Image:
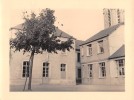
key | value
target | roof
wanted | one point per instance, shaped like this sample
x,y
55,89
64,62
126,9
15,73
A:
x,y
78,42
58,31
104,33
119,53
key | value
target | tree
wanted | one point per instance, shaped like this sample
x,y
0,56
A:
x,y
38,35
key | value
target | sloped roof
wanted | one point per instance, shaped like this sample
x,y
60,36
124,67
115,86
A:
x,y
58,31
103,33
78,42
119,53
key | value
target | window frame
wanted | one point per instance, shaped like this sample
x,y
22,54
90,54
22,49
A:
x,y
100,50
90,70
45,71
121,67
101,74
63,71
89,50
25,70
63,68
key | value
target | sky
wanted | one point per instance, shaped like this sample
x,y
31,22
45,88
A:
x,y
80,18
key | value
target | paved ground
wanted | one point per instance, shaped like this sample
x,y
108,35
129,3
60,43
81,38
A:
x,y
70,88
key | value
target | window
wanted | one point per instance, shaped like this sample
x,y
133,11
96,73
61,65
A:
x,y
45,69
25,72
78,57
121,64
63,67
89,49
102,70
100,47
90,67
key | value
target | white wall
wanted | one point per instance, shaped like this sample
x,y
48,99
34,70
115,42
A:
x,y
116,39
55,60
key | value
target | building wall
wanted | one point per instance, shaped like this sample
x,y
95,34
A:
x,y
95,55
54,60
116,79
95,59
111,44
116,39
95,80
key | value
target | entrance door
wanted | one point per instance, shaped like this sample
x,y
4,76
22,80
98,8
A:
x,y
79,76
63,71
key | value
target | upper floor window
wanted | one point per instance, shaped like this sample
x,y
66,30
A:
x,y
102,70
90,67
89,49
100,47
78,57
45,69
25,72
121,65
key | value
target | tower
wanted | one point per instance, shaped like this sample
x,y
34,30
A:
x,y
113,17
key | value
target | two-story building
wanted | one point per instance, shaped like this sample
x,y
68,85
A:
x,y
48,68
97,55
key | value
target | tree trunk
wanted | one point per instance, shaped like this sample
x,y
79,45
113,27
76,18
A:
x,y
26,75
31,67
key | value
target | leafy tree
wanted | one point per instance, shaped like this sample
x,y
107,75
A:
x,y
38,34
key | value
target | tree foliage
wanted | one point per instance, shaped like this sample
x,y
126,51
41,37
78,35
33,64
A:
x,y
39,33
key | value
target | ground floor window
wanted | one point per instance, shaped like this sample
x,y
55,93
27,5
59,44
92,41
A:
x,y
63,71
90,68
102,70
45,69
120,65
25,72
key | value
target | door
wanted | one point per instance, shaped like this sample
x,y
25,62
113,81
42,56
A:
x,y
78,81
63,71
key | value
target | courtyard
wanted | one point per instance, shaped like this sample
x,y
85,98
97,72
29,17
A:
x,y
69,88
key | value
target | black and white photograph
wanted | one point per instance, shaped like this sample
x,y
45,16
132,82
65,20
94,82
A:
x,y
73,49
44,57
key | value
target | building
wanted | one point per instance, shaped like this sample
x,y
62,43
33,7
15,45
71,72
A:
x,y
113,17
117,66
48,68
97,56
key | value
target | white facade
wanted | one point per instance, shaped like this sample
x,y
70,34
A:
x,y
116,39
56,75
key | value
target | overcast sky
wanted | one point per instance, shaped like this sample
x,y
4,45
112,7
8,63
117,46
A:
x,y
81,19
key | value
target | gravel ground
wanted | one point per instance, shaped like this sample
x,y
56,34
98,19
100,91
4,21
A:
x,y
69,88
